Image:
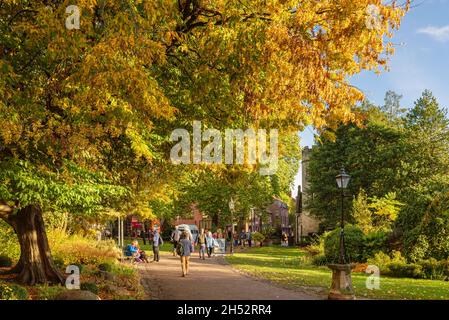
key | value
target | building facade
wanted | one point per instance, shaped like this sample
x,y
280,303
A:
x,y
306,225
279,219
198,218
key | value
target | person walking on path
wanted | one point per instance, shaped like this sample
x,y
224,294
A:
x,y
185,249
248,238
175,236
210,243
201,241
242,238
157,241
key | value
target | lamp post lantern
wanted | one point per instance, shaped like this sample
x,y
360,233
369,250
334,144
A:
x,y
342,182
231,208
341,288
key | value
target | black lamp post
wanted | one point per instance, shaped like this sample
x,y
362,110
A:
x,y
342,182
341,288
231,208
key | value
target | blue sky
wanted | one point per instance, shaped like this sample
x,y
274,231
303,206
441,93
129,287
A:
x,y
421,61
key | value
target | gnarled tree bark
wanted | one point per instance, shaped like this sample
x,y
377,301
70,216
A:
x,y
35,264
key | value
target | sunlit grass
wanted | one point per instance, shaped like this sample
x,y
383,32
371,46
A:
x,y
290,267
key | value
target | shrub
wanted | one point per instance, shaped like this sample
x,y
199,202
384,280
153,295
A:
x,y
433,269
360,267
79,265
353,242
268,232
123,270
374,242
76,249
9,245
317,246
319,260
13,292
46,292
5,261
404,270
416,246
105,267
257,236
90,286
59,263
382,260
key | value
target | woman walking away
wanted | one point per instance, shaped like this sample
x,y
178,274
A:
x,y
210,243
202,243
157,241
184,250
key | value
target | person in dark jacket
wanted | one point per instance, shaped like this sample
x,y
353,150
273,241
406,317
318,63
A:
x,y
157,241
187,249
143,234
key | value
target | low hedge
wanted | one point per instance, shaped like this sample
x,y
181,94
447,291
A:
x,y
425,269
12,292
105,267
395,265
405,270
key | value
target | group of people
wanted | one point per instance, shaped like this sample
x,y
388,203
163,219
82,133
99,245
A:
x,y
183,245
243,239
205,241
133,250
145,235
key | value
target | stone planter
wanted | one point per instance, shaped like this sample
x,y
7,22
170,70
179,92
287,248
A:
x,y
341,288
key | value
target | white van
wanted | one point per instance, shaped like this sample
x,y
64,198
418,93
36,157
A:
x,y
190,228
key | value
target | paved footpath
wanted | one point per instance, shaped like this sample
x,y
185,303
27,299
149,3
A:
x,y
210,279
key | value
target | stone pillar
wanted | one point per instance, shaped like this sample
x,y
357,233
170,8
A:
x,y
341,288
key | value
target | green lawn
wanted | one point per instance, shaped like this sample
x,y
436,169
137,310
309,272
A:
x,y
290,267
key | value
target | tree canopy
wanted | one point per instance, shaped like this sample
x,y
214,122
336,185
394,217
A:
x,y
86,113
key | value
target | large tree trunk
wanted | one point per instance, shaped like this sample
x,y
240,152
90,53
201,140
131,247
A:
x,y
35,264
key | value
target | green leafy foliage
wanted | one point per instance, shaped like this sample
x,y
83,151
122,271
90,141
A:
x,y
374,242
8,239
353,242
12,292
90,286
405,270
382,260
105,267
257,236
46,292
399,167
320,260
87,192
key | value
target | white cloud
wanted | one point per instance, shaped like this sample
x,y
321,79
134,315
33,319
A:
x,y
438,33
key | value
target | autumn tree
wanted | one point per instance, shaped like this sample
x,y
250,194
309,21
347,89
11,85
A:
x,y
102,99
